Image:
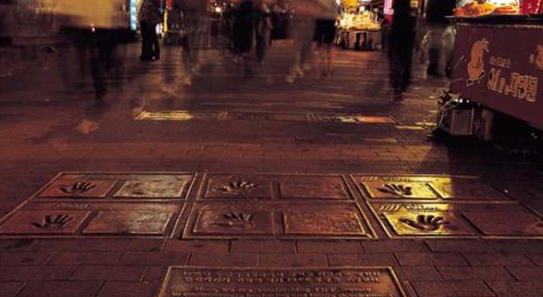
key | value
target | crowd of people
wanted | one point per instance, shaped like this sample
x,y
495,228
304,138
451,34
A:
x,y
247,27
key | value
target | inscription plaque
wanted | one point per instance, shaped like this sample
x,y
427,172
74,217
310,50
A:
x,y
44,222
287,282
129,222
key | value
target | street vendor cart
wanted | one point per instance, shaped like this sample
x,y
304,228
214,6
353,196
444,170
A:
x,y
498,63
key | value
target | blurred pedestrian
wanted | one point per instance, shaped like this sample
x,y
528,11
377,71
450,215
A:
x,y
95,33
149,16
325,33
301,30
194,20
439,36
243,33
263,27
402,38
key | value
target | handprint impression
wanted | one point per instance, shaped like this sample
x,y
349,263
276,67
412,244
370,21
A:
x,y
78,188
425,223
53,222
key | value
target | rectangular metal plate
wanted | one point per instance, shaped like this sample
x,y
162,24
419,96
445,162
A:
x,y
288,282
140,186
174,115
44,222
428,187
129,223
426,220
354,119
275,186
281,219
265,116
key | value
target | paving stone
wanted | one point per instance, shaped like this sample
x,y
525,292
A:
x,y
434,289
110,273
532,288
154,258
298,260
497,260
86,258
223,260
492,273
418,273
128,289
459,245
472,289
537,259
524,273
517,246
329,247
18,272
456,273
155,273
134,244
11,289
422,259
263,246
208,246
61,289
24,258
55,272
507,288
363,260
388,246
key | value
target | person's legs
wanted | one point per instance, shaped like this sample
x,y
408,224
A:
x,y
146,47
154,44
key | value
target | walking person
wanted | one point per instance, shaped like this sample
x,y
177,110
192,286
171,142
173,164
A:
x,y
402,39
325,33
194,20
263,28
301,30
439,36
243,33
149,16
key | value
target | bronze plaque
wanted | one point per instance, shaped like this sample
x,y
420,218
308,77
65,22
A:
x,y
233,220
399,190
174,115
466,188
506,222
354,119
285,219
323,223
285,282
152,189
44,222
233,186
78,186
129,223
305,190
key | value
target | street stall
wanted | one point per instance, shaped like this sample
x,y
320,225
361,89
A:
x,y
498,64
359,29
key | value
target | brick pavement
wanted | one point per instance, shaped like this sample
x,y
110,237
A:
x,y
40,135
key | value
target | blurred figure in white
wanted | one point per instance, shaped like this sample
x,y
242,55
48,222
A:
x,y
194,20
301,30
